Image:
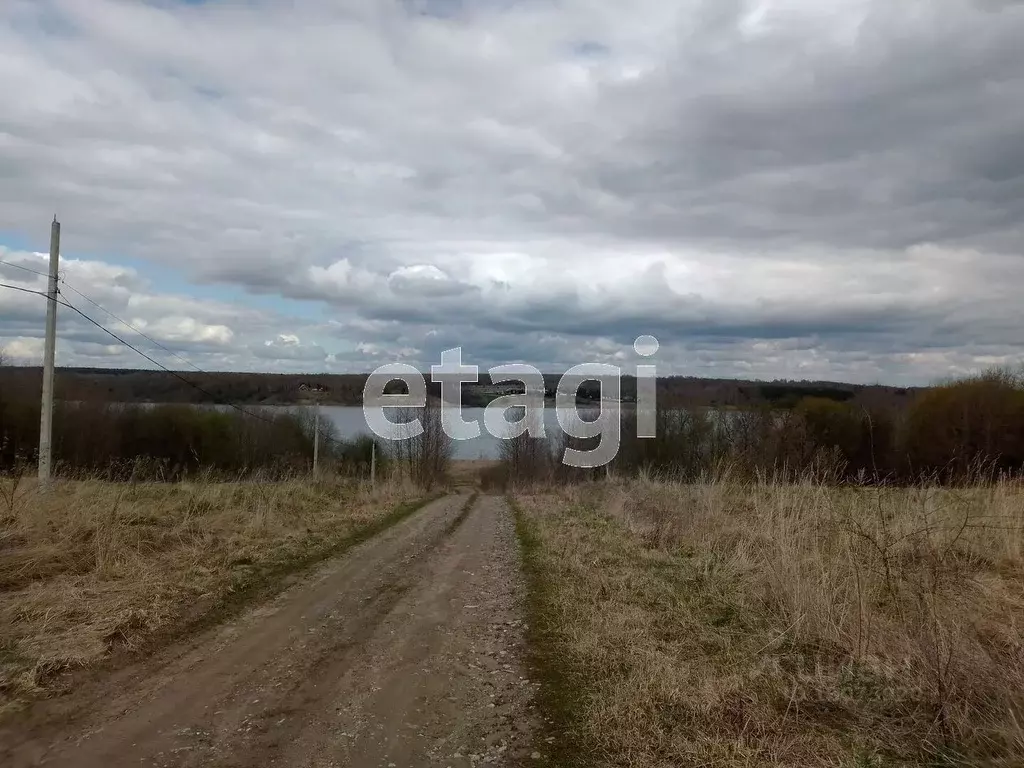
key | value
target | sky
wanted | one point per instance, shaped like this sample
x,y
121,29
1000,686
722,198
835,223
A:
x,y
792,189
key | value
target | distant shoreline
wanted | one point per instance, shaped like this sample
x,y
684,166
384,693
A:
x,y
267,389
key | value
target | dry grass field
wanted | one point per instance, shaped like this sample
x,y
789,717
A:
x,y
93,567
763,624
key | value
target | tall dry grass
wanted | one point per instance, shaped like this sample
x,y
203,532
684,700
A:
x,y
92,566
721,623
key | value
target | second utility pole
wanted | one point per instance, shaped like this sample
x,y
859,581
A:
x,y
316,437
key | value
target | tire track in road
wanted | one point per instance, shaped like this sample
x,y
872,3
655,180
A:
x,y
405,649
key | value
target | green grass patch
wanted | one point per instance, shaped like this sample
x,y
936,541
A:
x,y
559,694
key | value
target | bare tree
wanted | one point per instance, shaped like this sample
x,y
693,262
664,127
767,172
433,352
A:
x,y
527,458
426,456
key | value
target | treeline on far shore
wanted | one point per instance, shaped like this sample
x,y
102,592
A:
x,y
259,389
963,431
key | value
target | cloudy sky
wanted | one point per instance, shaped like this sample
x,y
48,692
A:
x,y
773,188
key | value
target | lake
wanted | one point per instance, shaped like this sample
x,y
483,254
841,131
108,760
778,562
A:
x,y
350,423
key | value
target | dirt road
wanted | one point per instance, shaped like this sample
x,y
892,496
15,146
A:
x,y
404,652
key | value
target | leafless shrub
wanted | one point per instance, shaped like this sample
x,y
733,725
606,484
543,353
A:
x,y
424,458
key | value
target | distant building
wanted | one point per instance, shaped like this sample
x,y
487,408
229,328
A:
x,y
498,391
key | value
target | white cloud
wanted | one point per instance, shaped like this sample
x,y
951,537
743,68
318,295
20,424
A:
x,y
288,346
209,334
22,351
424,281
187,329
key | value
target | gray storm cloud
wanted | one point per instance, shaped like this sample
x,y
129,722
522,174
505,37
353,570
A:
x,y
784,188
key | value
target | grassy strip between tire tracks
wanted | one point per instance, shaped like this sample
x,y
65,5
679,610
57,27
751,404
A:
x,y
557,739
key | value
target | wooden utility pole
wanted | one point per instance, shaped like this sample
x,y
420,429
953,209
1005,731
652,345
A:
x,y
49,354
316,434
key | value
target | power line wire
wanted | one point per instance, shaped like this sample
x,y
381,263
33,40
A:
x,y
24,269
105,330
113,335
24,290
131,327
175,374
217,400
164,368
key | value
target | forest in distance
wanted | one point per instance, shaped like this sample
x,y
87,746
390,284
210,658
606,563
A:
x,y
269,389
